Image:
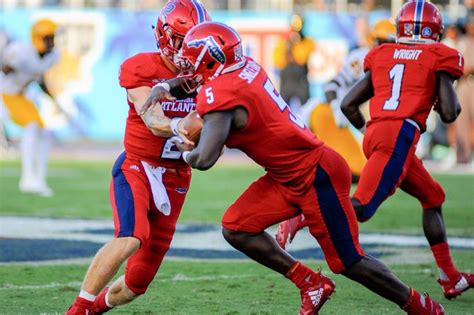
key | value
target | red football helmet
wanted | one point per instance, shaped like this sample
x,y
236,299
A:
x,y
176,18
419,21
208,50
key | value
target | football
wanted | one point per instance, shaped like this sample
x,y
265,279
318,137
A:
x,y
192,123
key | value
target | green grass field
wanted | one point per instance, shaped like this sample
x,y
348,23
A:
x,y
214,287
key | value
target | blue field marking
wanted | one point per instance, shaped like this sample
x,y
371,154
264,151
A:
x,y
18,250
32,239
22,250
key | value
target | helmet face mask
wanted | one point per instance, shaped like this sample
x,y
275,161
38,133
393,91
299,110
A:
x,y
210,49
176,18
419,22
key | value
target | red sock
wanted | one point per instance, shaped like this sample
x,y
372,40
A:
x,y
443,260
100,306
299,273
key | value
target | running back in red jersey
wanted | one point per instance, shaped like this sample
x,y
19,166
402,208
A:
x,y
404,79
274,137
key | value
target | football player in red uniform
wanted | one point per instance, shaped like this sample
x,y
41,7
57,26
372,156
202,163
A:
x,y
242,109
404,81
149,180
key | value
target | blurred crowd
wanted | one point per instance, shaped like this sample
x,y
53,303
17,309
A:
x,y
281,5
461,134
453,144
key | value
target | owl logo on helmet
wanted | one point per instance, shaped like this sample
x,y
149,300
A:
x,y
419,22
211,45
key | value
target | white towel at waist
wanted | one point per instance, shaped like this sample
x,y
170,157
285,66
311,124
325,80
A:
x,y
160,196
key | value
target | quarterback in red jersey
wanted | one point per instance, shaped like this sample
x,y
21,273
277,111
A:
x,y
242,109
404,81
149,180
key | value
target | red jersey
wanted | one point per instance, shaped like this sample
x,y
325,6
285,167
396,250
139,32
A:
x,y
404,79
273,136
147,69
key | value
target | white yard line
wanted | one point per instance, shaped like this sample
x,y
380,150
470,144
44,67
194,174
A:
x,y
204,239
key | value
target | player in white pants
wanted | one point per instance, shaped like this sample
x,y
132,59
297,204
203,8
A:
x,y
22,64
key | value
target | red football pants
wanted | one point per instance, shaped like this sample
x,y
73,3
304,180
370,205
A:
x,y
391,162
325,204
135,215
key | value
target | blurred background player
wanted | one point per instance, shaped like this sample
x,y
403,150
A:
x,y
465,89
291,56
330,125
390,149
22,64
404,81
326,119
149,179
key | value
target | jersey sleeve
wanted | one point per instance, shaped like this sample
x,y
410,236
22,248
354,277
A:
x,y
449,60
369,60
212,98
136,71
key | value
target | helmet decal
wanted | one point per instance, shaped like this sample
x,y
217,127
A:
x,y
212,47
238,52
426,31
167,10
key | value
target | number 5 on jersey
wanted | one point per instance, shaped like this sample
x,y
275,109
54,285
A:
x,y
396,76
209,95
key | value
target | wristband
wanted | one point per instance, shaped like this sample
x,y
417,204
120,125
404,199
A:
x,y
185,156
164,85
174,125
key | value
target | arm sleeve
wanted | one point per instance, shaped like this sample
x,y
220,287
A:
x,y
449,60
136,72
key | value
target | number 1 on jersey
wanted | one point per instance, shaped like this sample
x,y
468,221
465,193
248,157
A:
x,y
396,76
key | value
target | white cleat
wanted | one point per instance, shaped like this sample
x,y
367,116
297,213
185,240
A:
x,y
33,187
45,191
